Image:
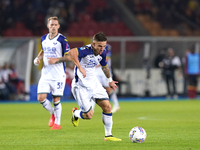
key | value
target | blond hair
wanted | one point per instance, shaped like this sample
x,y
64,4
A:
x,y
52,18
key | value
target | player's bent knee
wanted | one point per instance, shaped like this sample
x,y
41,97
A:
x,y
41,98
107,108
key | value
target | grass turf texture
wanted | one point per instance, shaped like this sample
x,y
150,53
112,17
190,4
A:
x,y
170,125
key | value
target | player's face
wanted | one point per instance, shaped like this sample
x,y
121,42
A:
x,y
53,26
98,47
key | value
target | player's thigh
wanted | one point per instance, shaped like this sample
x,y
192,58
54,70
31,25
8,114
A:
x,y
43,86
101,97
99,92
83,97
58,87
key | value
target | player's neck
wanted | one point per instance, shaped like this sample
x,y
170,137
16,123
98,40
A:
x,y
94,51
52,35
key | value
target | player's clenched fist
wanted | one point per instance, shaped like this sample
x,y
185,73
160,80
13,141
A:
x,y
36,61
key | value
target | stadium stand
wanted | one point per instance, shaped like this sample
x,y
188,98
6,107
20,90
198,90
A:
x,y
28,18
159,18
167,17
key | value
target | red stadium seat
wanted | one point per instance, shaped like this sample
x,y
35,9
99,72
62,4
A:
x,y
73,32
74,26
84,17
45,31
19,25
90,32
22,32
9,32
27,32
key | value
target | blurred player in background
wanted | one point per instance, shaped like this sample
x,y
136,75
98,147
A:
x,y
86,87
103,80
192,71
53,76
169,65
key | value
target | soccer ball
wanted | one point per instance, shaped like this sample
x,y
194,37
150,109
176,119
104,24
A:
x,y
137,135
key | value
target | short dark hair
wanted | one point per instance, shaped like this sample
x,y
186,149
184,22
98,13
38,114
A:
x,y
100,37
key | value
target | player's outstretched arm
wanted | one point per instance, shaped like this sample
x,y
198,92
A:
x,y
58,59
112,83
74,58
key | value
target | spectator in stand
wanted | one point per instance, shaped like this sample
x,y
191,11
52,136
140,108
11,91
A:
x,y
17,82
6,73
169,65
192,70
4,92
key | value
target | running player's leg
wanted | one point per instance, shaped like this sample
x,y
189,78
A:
x,y
107,120
45,103
43,89
57,92
57,113
82,96
102,100
106,115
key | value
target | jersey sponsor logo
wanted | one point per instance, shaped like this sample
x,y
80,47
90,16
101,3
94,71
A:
x,y
50,52
91,64
53,49
49,49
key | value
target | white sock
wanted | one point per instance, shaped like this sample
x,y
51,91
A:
x,y
57,112
107,120
47,105
114,99
78,113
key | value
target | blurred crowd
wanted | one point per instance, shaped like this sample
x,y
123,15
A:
x,y
181,15
11,86
32,14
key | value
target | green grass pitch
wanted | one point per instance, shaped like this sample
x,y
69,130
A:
x,y
170,125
